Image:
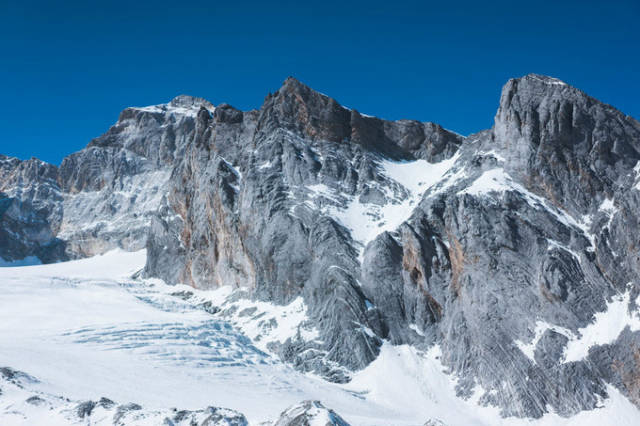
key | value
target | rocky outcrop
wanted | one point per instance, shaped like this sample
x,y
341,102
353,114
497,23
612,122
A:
x,y
101,197
511,257
504,248
30,210
310,413
22,403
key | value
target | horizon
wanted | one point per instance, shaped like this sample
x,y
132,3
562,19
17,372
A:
x,y
72,69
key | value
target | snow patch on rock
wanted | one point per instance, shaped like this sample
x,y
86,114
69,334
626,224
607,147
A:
x,y
605,328
366,220
541,327
496,181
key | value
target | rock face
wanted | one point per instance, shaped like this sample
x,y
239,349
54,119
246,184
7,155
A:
x,y
506,248
30,210
101,197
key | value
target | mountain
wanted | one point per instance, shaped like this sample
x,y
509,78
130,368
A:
x,y
514,250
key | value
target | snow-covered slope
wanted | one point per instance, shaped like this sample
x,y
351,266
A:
x,y
86,330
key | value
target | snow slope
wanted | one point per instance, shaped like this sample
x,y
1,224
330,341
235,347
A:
x,y
87,330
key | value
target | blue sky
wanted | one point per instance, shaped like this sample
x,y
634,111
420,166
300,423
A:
x,y
68,68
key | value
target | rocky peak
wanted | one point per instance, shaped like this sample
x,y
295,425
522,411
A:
x,y
561,141
225,113
298,108
541,109
186,101
313,115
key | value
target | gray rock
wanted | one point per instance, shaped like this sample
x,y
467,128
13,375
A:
x,y
536,223
310,413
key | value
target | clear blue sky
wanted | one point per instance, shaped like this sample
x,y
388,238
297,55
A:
x,y
68,68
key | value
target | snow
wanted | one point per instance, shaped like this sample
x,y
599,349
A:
x,y
417,176
171,109
418,386
366,221
494,154
498,181
20,404
262,322
415,328
549,80
607,205
494,180
555,244
608,208
636,170
541,327
314,414
87,330
605,328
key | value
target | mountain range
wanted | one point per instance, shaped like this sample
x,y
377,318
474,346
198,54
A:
x,y
514,250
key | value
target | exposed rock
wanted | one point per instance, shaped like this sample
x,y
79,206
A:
x,y
310,413
501,247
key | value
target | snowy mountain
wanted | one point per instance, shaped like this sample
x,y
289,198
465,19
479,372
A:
x,y
396,271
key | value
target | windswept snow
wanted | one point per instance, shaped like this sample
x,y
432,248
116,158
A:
x,y
607,205
494,154
549,80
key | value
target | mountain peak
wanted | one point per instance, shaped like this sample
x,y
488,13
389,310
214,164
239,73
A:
x,y
187,101
542,79
298,107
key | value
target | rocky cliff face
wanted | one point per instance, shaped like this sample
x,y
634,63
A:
x,y
506,248
101,197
